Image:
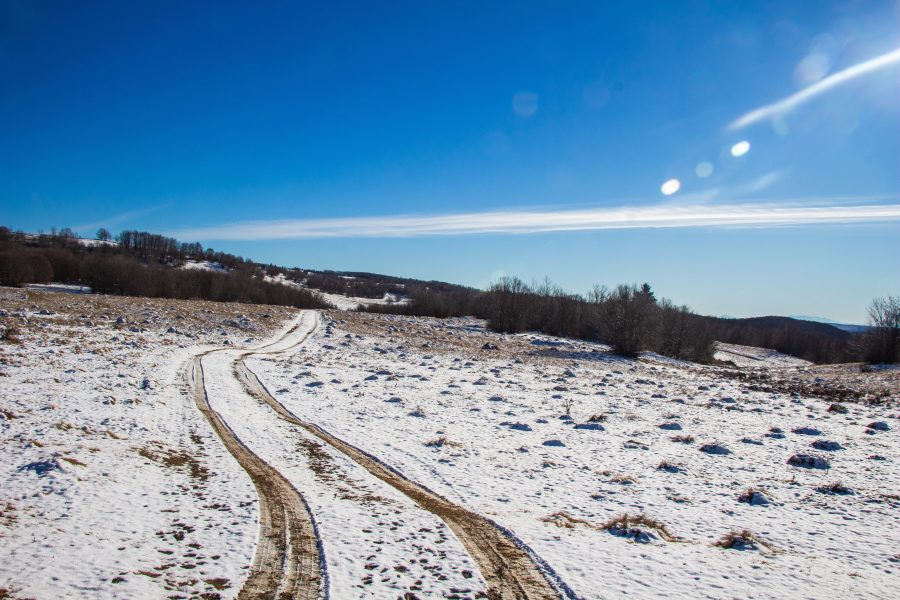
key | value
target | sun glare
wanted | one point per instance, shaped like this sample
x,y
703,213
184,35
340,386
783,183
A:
x,y
741,148
670,187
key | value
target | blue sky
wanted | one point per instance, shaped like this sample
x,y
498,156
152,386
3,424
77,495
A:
x,y
459,141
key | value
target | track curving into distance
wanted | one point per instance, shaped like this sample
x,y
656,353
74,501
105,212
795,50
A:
x,y
288,562
510,568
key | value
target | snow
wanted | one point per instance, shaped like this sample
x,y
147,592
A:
x,y
377,542
96,243
64,288
112,484
749,356
353,302
510,453
339,301
204,265
145,502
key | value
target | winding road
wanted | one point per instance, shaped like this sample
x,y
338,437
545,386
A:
x,y
289,560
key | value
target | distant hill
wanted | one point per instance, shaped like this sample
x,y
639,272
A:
x,y
850,327
810,340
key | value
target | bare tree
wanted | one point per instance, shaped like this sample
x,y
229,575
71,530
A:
x,y
883,341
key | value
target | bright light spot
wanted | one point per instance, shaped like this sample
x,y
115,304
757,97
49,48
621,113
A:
x,y
670,187
704,169
525,104
741,148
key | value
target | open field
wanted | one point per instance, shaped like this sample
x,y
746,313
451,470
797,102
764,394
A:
x,y
350,455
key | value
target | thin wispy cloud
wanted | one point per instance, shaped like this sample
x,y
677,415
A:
x,y
817,89
120,218
661,216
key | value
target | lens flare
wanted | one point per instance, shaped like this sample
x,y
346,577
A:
x,y
703,169
525,104
741,148
670,187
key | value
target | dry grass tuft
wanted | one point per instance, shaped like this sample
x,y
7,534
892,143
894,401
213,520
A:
x,y
630,526
742,539
442,441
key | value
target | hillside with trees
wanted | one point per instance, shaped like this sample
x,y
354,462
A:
x,y
630,318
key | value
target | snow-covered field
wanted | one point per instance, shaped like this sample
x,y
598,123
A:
x,y
749,356
113,484
339,301
490,430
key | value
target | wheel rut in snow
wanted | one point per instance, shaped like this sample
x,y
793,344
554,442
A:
x,y
509,569
288,562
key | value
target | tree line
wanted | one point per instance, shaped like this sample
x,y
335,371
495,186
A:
x,y
628,317
140,264
631,319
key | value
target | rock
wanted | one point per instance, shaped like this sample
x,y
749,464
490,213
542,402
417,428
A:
x,y
554,444
808,461
806,431
753,498
828,445
671,426
41,467
879,426
715,449
589,426
490,346
517,426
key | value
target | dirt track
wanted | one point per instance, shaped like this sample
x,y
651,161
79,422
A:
x,y
510,570
288,561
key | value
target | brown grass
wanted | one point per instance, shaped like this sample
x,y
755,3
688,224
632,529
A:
x,y
625,522
442,441
741,539
176,459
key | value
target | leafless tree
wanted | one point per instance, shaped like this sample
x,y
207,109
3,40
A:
x,y
883,341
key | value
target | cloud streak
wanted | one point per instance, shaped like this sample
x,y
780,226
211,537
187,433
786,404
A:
x,y
817,89
126,216
663,216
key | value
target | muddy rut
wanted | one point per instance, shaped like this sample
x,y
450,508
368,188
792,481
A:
x,y
510,570
288,562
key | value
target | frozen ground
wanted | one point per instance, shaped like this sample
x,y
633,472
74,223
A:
x,y
749,356
679,443
339,301
113,484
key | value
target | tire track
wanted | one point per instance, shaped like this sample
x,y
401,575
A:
x,y
510,568
288,562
